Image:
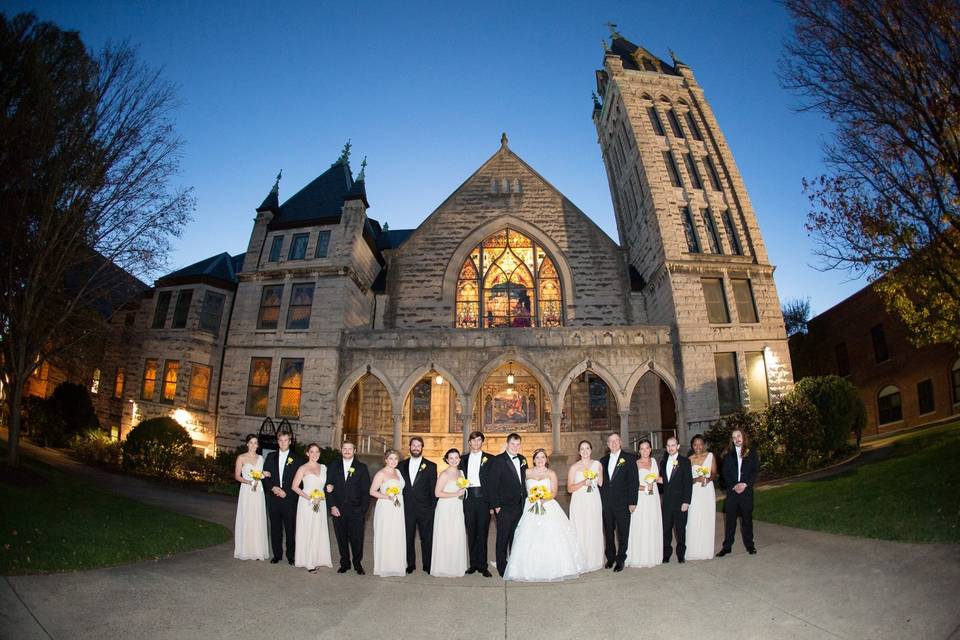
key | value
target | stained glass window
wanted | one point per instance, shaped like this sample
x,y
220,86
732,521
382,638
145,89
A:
x,y
199,392
288,393
508,281
258,386
171,369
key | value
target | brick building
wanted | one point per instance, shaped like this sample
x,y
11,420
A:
x,y
506,309
902,386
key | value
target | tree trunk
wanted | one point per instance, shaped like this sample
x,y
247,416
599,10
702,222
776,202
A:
x,y
15,402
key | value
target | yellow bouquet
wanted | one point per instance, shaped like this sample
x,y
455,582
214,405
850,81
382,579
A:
x,y
462,483
650,478
316,497
537,496
256,475
394,492
703,472
591,477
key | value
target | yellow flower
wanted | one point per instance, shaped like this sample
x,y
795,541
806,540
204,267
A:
x,y
463,483
289,460
316,497
423,466
392,491
589,474
620,461
650,477
350,473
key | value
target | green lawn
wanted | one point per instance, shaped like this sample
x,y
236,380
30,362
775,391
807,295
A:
x,y
50,521
910,496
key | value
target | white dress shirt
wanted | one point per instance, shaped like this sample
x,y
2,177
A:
x,y
282,459
473,468
670,462
612,464
516,465
739,462
347,465
414,468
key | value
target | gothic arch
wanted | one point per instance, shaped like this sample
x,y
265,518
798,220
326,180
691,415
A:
x,y
605,374
661,372
346,386
479,234
488,368
411,380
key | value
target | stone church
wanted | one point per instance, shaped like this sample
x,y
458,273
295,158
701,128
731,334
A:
x,y
506,309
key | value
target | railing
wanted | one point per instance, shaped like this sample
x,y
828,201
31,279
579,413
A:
x,y
658,438
369,443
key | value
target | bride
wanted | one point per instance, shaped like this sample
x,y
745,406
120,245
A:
x,y
545,545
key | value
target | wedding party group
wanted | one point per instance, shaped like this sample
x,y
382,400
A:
x,y
626,510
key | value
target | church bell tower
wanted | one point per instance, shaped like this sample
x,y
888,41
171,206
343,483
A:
x,y
690,235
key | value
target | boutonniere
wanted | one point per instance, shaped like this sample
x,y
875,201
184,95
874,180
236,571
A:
x,y
483,460
676,463
350,472
620,462
523,462
289,461
423,466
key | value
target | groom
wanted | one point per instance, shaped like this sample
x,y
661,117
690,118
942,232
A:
x,y
348,496
508,491
419,503
618,496
281,499
676,476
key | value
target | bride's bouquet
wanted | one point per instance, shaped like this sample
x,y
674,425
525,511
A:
x,y
256,475
702,472
316,497
462,483
591,477
650,478
394,493
538,495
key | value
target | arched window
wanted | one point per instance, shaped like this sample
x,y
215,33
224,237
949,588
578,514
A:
x,y
889,408
508,281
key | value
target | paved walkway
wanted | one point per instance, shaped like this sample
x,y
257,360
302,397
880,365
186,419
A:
x,y
801,584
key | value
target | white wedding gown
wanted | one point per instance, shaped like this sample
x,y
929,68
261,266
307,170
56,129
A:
x,y
545,546
389,533
250,528
645,544
702,517
449,557
586,516
312,533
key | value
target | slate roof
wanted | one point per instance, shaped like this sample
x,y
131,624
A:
x,y
625,50
220,269
321,200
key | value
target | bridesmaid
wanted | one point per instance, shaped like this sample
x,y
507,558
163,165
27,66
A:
x,y
389,526
645,545
250,530
449,558
312,549
702,515
586,512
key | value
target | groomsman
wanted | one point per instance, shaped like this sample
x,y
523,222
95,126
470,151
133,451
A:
x,y
475,466
676,476
739,470
618,496
281,499
419,503
508,491
348,496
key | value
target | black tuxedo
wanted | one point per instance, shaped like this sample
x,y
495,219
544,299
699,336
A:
x,y
282,512
617,495
739,504
675,493
507,492
419,504
476,510
351,496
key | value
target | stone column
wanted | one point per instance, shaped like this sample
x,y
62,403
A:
x,y
466,407
555,417
398,431
625,427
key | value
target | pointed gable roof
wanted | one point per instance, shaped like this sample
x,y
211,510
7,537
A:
x,y
219,270
637,58
321,201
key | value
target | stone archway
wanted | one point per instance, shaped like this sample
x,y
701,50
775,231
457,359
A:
x,y
654,412
433,407
365,407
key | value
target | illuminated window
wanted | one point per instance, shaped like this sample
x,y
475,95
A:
x,y
258,386
95,383
149,380
211,312
118,383
269,307
199,393
301,302
889,408
171,368
508,281
288,393
757,384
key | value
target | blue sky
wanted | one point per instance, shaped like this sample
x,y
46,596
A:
x,y
425,89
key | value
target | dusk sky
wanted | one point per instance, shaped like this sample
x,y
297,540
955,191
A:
x,y
424,90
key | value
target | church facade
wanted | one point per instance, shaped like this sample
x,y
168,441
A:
x,y
506,309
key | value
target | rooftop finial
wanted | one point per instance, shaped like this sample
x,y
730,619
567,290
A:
x,y
276,185
345,154
363,169
614,34
503,140
674,57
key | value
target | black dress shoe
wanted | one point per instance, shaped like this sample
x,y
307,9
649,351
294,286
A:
x,y
609,564
274,560
410,570
471,570
723,552
343,569
618,567
666,560
752,552
290,562
681,560
426,570
486,573
360,570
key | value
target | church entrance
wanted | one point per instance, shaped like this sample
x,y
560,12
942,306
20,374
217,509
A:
x,y
367,415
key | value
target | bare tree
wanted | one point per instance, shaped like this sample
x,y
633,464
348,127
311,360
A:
x,y
796,314
887,74
86,165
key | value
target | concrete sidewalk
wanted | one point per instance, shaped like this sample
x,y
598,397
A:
x,y
801,584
